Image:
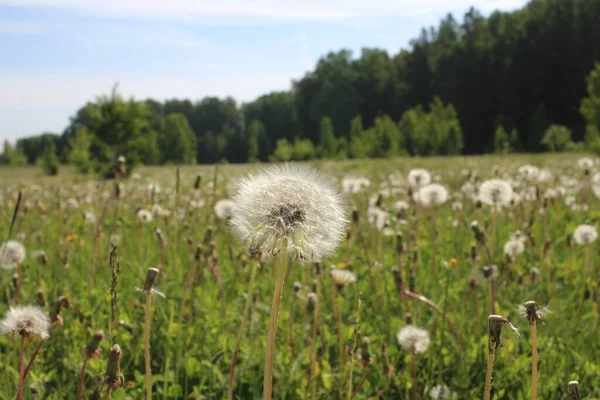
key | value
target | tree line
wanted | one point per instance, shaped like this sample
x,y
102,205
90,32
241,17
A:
x,y
514,81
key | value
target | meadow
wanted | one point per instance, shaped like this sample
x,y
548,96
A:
x,y
411,256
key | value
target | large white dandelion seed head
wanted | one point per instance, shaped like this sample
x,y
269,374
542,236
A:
x,y
432,195
292,204
224,208
377,217
419,177
11,254
585,234
495,192
413,339
26,321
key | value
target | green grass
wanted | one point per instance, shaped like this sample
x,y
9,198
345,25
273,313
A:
x,y
191,348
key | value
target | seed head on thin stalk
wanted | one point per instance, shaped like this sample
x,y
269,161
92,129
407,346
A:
x,y
533,312
27,321
495,323
113,378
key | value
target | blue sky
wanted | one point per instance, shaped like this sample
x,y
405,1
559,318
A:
x,y
57,54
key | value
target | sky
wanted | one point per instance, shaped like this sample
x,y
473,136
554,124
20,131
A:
x,y
55,55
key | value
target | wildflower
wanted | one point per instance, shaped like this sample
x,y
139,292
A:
x,y
377,217
26,321
533,312
290,205
39,255
585,234
71,238
144,215
432,195
224,208
72,204
585,163
441,392
89,217
342,277
529,171
515,246
401,205
495,323
483,274
419,177
11,254
457,206
413,339
496,193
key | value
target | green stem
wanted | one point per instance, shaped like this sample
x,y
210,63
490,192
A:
x,y
488,376
282,263
534,361
147,346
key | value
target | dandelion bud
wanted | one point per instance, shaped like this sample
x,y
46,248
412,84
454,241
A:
x,y
317,266
399,243
365,354
150,277
411,280
397,277
495,323
297,287
311,303
477,232
207,235
547,246
355,216
63,302
197,182
473,284
473,252
408,318
569,240
34,392
573,391
198,253
41,299
92,349
113,377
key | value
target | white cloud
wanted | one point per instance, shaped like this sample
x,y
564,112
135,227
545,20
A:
x,y
268,9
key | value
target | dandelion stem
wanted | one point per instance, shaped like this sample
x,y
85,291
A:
x,y
413,364
33,356
534,361
488,376
21,369
362,381
241,332
338,322
81,380
313,353
282,263
147,320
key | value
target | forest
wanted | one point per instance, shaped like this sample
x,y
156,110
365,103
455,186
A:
x,y
522,81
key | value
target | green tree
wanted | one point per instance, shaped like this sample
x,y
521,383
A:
x,y
357,148
255,132
13,156
283,151
303,150
590,110
327,138
49,160
79,154
177,142
557,138
501,143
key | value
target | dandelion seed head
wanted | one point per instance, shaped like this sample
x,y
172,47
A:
x,y
342,277
89,217
224,208
11,254
292,204
585,234
441,392
515,246
72,204
585,163
144,216
377,217
413,339
401,205
418,177
26,321
432,195
495,192
457,206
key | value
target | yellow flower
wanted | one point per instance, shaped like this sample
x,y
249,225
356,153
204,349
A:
x,y
72,237
10,204
42,206
453,261
149,207
343,265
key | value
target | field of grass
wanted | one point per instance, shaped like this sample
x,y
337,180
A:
x,y
425,266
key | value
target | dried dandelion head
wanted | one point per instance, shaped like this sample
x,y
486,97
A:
x,y
144,216
533,313
27,321
92,349
289,206
11,254
413,339
113,377
495,323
